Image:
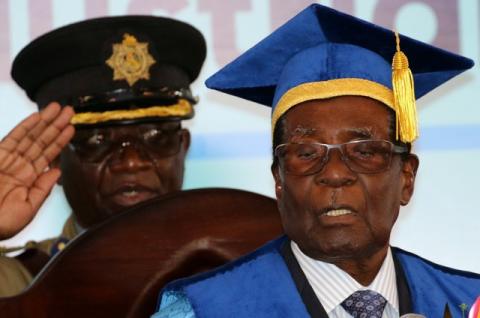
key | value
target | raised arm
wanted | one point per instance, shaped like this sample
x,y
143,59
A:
x,y
26,177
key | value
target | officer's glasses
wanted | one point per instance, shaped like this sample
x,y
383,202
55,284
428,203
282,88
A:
x,y
93,145
362,156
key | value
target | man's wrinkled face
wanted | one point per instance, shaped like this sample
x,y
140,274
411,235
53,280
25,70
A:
x,y
107,169
337,213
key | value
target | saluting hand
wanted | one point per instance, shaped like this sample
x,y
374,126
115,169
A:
x,y
25,155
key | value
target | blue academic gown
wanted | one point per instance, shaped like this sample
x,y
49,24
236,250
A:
x,y
261,284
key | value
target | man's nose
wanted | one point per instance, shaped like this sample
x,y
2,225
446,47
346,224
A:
x,y
335,172
129,155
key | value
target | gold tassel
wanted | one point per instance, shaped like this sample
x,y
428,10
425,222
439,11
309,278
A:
x,y
404,97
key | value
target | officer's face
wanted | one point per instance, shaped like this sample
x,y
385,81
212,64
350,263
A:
x,y
337,213
107,169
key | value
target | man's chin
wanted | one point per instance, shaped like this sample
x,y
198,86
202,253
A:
x,y
104,210
345,250
330,249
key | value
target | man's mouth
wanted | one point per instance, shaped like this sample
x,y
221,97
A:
x,y
130,194
337,215
338,212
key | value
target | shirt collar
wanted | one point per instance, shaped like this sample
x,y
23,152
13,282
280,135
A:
x,y
332,285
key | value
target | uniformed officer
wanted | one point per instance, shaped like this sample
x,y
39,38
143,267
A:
x,y
126,81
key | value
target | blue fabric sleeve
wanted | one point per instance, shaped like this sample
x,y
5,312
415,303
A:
x,y
174,304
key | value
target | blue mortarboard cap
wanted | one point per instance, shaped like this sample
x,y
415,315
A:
x,y
323,53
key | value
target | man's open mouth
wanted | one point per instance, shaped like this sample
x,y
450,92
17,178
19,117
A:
x,y
338,212
130,194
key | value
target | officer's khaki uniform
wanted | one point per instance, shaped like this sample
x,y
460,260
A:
x,y
14,277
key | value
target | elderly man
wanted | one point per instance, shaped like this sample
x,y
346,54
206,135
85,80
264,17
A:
x,y
127,79
343,122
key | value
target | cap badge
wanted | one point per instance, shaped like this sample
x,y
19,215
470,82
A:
x,y
130,60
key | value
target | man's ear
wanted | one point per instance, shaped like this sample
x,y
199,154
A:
x,y
409,172
278,180
185,140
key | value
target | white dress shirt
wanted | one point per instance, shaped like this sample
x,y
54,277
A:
x,y
332,285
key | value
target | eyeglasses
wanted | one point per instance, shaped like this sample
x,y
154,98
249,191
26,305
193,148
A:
x,y
362,156
93,145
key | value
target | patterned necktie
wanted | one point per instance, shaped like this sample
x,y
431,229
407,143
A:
x,y
365,304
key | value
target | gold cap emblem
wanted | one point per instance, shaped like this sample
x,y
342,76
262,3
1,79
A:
x,y
130,60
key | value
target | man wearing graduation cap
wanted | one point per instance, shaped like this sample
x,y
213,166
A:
x,y
343,122
126,81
